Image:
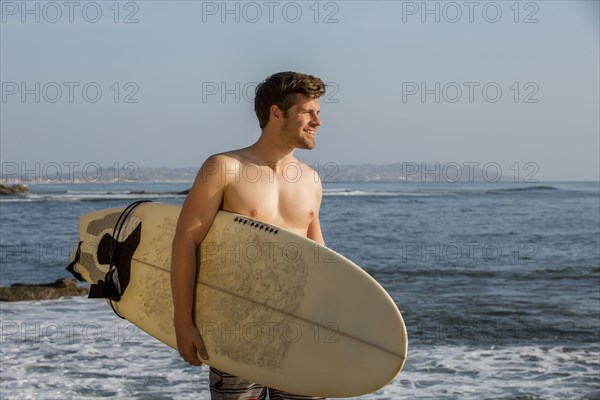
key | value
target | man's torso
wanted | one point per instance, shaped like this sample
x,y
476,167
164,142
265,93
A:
x,y
284,194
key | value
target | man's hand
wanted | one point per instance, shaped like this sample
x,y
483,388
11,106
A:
x,y
190,344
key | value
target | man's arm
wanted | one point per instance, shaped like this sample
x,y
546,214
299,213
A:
x,y
197,214
314,229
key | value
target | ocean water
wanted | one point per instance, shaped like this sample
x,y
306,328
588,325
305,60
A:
x,y
499,285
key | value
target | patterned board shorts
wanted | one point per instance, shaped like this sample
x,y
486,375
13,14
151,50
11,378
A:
x,y
224,386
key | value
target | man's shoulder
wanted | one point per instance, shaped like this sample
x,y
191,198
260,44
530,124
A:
x,y
213,167
226,158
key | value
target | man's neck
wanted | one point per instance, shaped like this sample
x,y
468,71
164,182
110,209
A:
x,y
272,152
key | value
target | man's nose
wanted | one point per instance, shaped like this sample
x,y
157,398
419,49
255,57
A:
x,y
316,120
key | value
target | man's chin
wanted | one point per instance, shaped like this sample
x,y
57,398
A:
x,y
307,146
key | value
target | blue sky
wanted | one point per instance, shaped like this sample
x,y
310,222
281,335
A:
x,y
504,82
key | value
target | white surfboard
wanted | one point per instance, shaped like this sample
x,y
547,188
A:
x,y
273,307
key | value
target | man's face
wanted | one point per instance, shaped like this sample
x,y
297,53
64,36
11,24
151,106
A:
x,y
300,125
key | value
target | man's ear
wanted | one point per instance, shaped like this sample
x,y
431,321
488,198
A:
x,y
275,112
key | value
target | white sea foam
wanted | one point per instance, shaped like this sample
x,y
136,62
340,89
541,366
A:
x,y
77,348
342,192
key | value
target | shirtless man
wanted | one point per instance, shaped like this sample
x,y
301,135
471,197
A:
x,y
263,181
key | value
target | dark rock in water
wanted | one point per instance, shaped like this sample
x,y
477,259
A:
x,y
44,291
185,191
9,190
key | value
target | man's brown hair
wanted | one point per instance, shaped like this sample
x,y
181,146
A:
x,y
282,89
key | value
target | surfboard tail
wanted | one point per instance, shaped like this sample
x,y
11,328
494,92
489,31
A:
x,y
109,271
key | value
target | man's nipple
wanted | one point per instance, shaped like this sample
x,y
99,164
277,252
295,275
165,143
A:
x,y
253,213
